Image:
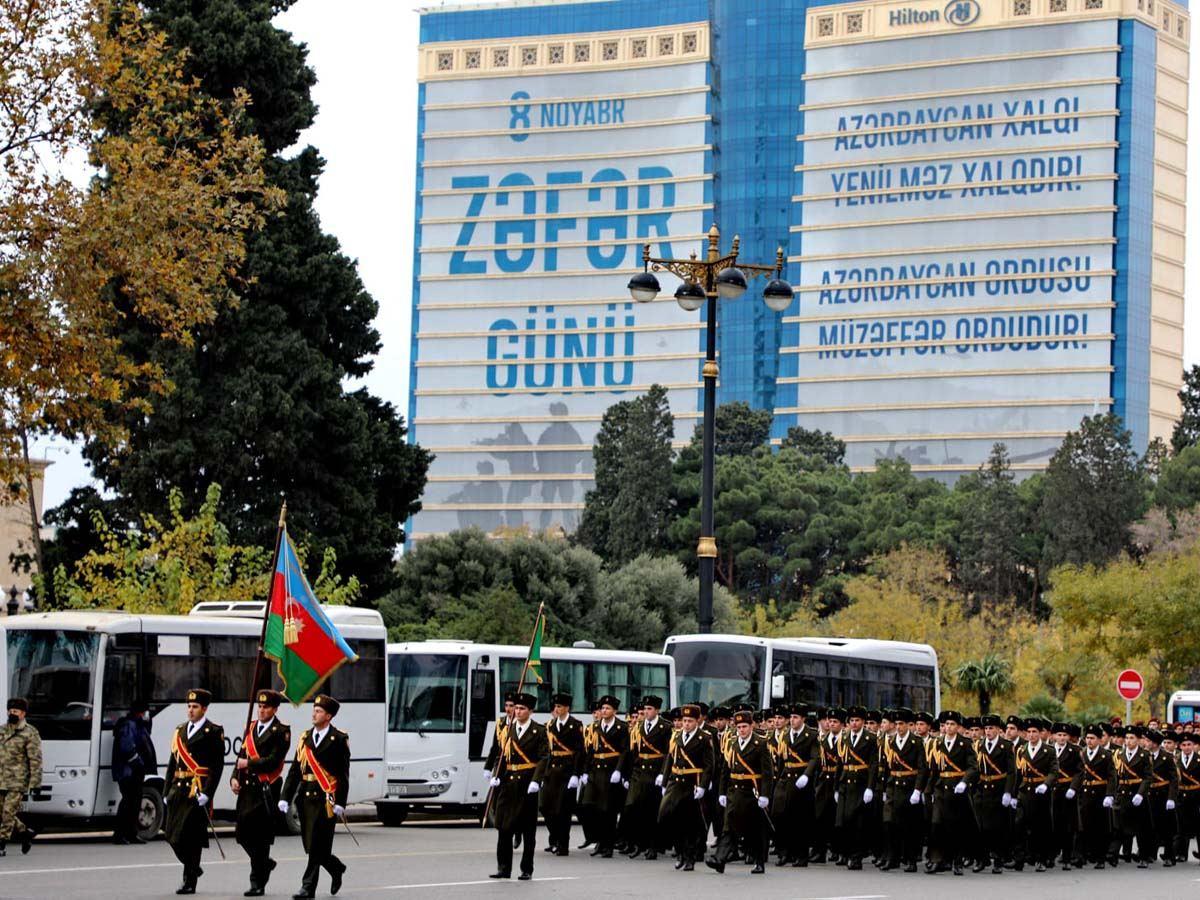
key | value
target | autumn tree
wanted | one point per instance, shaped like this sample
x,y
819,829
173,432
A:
x,y
153,227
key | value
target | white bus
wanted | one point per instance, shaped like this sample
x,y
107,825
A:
x,y
445,696
724,669
1184,706
80,671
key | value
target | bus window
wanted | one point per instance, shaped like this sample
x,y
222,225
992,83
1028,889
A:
x,y
483,708
718,673
429,693
122,684
56,672
363,681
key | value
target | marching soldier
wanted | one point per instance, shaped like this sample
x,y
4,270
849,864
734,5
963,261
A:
x,y
319,781
602,780
1164,788
792,803
1189,796
1096,791
193,774
858,755
1133,774
1037,771
687,769
648,742
746,784
1064,807
953,768
993,794
503,721
905,773
20,772
720,732
517,782
564,735
824,795
256,782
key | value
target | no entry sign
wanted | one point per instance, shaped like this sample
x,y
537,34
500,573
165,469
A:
x,y
1130,685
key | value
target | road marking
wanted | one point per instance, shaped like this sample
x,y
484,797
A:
x,y
230,862
409,887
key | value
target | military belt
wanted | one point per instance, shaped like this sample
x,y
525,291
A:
x,y
308,777
1031,780
855,768
795,765
1159,784
1130,781
521,767
897,774
1189,787
675,770
738,776
999,777
1099,782
651,755
957,775
605,755
562,752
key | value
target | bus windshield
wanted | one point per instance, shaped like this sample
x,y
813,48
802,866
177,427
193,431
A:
x,y
718,673
56,672
427,692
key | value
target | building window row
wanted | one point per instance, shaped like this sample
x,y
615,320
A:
x,y
686,43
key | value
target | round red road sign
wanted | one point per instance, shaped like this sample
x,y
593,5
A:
x,y
1130,685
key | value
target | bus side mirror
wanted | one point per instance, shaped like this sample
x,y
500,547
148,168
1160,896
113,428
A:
x,y
778,687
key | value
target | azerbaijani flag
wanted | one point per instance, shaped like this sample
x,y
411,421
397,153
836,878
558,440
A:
x,y
300,637
534,662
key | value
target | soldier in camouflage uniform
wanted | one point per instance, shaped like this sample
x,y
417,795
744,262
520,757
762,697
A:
x,y
20,772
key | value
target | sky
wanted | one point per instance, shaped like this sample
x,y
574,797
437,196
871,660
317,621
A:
x,y
363,52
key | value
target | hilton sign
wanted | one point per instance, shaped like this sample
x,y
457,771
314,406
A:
x,y
956,12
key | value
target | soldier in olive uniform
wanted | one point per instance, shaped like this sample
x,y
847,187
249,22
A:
x,y
648,741
319,781
1134,772
858,753
20,772
746,785
193,775
1096,791
1064,803
1189,796
953,768
687,770
1164,789
564,734
824,802
517,782
792,803
602,780
256,782
502,723
1037,771
905,773
994,794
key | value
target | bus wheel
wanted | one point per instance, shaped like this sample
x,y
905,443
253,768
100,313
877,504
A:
x,y
392,815
151,812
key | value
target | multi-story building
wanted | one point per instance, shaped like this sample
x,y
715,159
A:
x,y
981,203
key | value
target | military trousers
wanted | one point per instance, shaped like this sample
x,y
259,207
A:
x,y
10,805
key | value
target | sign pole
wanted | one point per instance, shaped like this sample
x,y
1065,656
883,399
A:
x,y
1128,712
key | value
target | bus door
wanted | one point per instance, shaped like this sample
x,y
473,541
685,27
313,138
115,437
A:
x,y
483,712
121,686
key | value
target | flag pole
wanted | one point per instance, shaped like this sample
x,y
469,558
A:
x,y
262,637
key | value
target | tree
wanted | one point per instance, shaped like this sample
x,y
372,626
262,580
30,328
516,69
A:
x,y
628,511
1178,484
990,562
155,234
261,403
737,429
1095,487
988,677
813,442
1187,429
168,567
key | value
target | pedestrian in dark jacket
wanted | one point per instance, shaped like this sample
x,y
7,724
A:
x,y
133,757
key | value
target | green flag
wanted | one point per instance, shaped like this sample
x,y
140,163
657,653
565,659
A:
x,y
534,662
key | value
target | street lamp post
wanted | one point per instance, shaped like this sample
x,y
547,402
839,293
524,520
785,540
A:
x,y
715,277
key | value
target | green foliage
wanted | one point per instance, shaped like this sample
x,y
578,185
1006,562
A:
x,y
992,564
1094,489
738,429
1187,429
987,677
1044,707
168,567
812,442
627,512
1178,485
260,403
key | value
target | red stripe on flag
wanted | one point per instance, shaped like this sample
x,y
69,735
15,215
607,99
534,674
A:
x,y
317,649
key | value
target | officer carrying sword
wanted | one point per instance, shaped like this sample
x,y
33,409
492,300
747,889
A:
x,y
256,782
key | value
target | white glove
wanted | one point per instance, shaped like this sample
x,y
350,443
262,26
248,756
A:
x,y
722,800
868,796
1107,803
960,788
1137,799
835,796
697,793
762,802
487,773
615,778
202,799
573,782
914,798
1040,789
1070,795
534,787
339,812
658,780
1170,805
802,782
1006,800
583,778
494,782
625,784
885,798
283,806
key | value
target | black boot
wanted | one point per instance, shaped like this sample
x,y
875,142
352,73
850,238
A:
x,y
27,837
718,867
188,886
758,869
256,890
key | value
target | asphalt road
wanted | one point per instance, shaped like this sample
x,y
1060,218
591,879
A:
x,y
453,860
